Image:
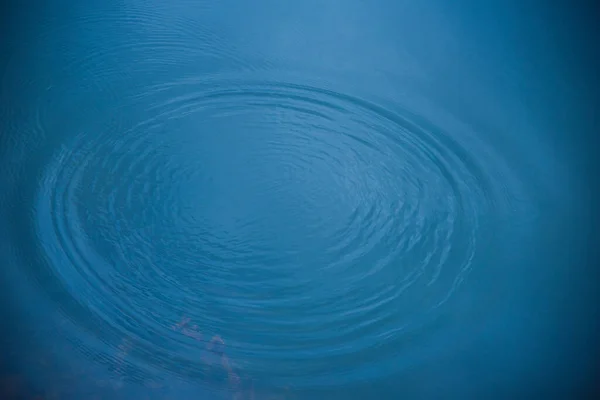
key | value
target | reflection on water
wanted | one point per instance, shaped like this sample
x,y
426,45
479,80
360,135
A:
x,y
289,200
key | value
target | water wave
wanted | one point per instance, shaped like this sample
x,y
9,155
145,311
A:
x,y
316,231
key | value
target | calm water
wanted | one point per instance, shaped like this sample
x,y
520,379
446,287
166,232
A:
x,y
294,200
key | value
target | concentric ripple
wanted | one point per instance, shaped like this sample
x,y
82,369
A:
x,y
316,231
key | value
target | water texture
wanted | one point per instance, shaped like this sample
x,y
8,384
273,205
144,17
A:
x,y
287,200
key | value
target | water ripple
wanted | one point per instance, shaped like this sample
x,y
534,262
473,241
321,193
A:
x,y
315,231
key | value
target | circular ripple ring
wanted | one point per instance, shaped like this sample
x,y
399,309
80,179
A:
x,y
265,211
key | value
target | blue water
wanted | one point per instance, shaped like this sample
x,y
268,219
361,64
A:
x,y
295,200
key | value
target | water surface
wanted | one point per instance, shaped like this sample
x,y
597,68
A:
x,y
299,200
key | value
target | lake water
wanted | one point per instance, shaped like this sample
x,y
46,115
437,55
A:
x,y
296,200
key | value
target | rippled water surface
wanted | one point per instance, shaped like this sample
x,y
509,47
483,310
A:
x,y
290,200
